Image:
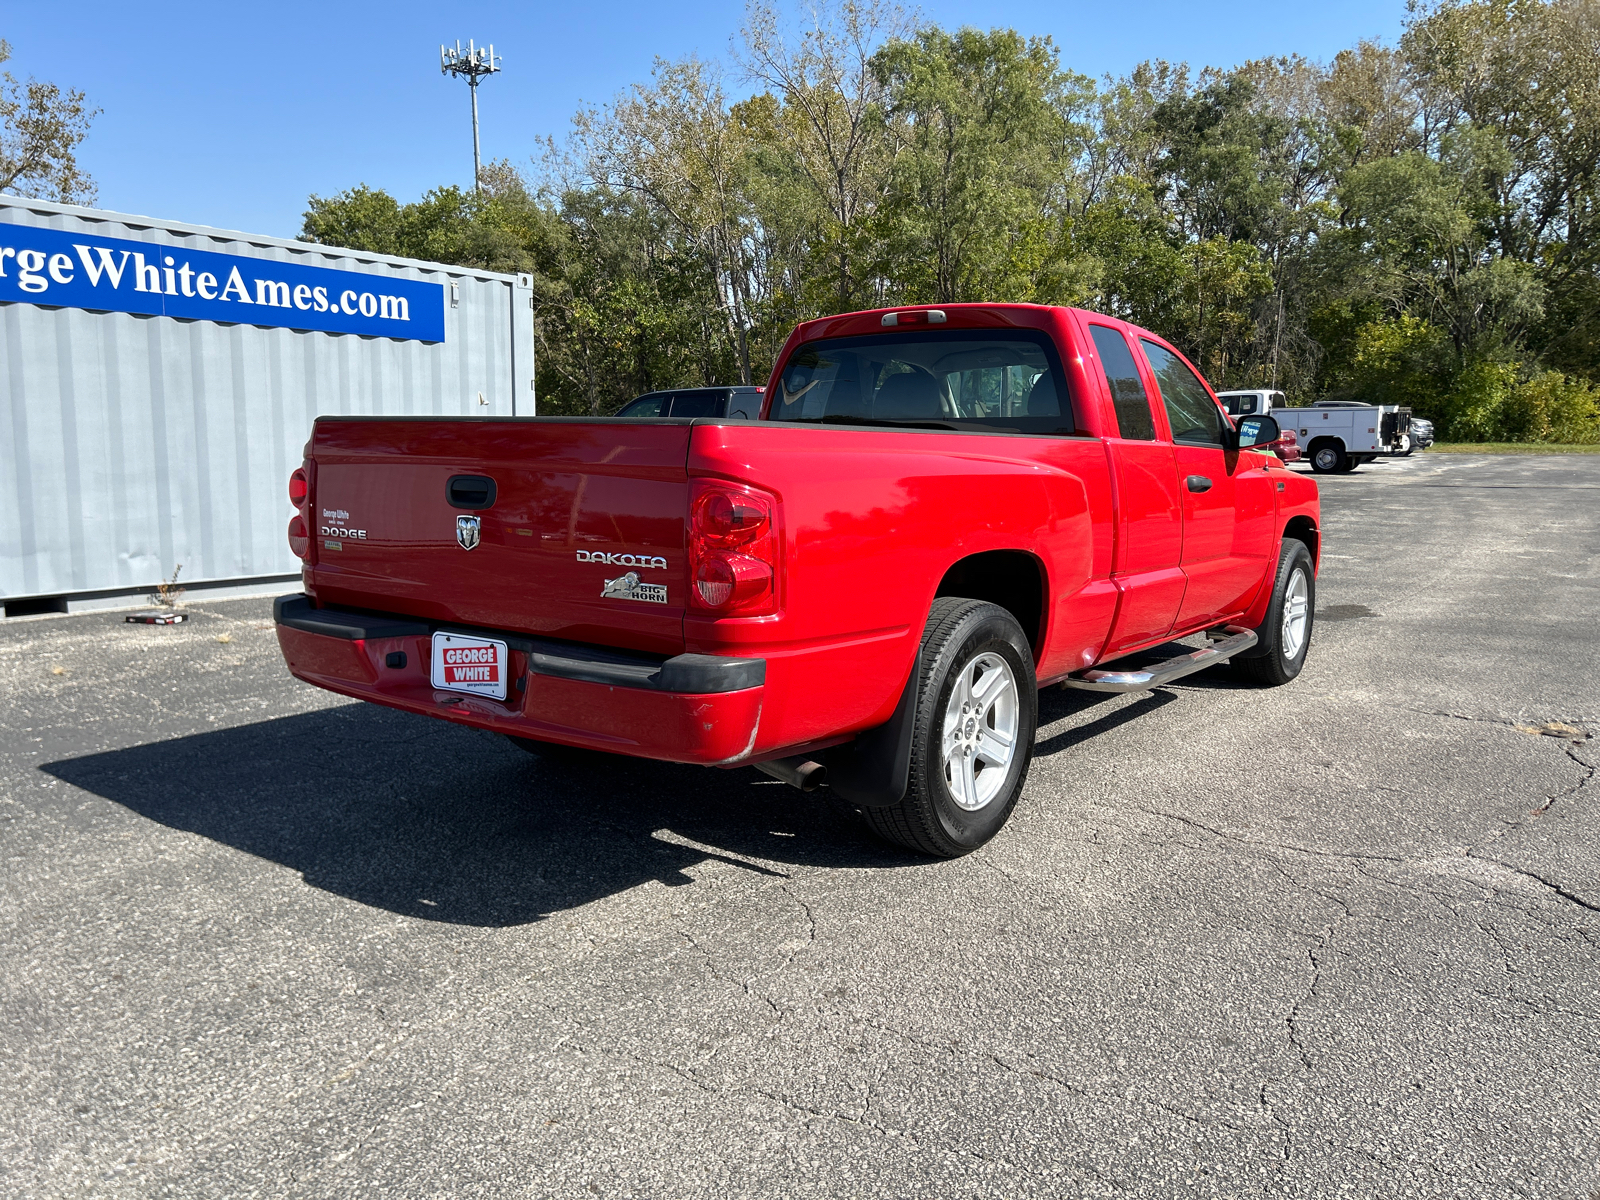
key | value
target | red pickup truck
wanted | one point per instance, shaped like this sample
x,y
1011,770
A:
x,y
939,511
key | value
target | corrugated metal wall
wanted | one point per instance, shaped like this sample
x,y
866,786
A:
x,y
131,444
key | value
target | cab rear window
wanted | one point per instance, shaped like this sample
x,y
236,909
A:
x,y
949,379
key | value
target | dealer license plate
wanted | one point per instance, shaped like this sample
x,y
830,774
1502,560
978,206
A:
x,y
469,664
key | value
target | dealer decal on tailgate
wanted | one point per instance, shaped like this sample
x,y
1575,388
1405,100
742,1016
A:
x,y
469,664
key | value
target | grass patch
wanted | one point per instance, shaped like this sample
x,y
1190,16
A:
x,y
1507,448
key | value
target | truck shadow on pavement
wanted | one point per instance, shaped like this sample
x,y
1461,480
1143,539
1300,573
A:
x,y
441,822
1059,705
444,823
1071,704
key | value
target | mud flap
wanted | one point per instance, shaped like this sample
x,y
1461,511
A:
x,y
873,770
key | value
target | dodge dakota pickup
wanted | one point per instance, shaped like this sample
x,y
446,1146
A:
x,y
937,512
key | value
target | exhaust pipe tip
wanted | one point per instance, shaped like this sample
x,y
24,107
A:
x,y
803,773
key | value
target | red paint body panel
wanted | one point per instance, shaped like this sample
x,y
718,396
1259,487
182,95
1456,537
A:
x,y
647,724
866,516
562,487
867,522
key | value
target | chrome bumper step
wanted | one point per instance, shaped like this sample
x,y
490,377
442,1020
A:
x,y
1238,639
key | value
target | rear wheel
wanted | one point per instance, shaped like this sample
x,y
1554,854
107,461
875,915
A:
x,y
972,739
1328,458
1285,636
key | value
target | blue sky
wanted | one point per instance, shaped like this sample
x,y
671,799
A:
x,y
230,115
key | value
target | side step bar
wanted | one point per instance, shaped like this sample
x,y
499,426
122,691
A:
x,y
1239,638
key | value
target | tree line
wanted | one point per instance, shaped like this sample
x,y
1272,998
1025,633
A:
x,y
1416,223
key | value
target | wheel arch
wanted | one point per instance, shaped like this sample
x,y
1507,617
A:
x,y
1303,529
1016,580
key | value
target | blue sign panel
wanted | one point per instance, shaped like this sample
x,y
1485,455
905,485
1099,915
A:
x,y
74,270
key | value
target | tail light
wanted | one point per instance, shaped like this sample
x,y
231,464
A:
x,y
733,549
299,539
299,531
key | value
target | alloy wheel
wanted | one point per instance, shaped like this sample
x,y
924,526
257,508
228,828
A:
x,y
1296,615
980,731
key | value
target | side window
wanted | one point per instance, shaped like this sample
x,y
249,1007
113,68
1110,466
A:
x,y
1127,389
644,406
1193,415
697,404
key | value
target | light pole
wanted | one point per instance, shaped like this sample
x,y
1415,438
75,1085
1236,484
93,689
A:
x,y
471,64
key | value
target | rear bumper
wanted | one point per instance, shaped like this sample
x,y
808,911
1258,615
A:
x,y
693,708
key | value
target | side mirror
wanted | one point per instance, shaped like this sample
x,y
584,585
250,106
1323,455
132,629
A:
x,y
1255,433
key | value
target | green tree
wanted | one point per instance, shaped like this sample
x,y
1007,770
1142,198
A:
x,y
446,225
41,128
1413,224
828,129
619,305
1526,73
987,123
677,145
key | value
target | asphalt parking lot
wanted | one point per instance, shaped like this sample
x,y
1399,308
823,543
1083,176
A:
x,y
1336,939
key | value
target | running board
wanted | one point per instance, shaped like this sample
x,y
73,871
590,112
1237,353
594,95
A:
x,y
1238,639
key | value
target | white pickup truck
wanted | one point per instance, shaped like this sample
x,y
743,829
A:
x,y
1337,435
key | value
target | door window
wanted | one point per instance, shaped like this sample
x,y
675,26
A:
x,y
644,406
1191,412
698,403
1127,389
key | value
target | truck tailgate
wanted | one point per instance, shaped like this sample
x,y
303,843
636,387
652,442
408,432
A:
x,y
577,507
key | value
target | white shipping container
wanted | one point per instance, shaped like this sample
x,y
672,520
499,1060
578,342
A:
x,y
132,443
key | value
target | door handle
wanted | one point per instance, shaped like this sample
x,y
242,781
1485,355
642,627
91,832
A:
x,y
1197,483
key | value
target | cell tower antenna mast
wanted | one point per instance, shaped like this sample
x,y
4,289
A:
x,y
471,64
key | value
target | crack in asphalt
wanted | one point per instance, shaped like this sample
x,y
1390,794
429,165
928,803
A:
x,y
1358,856
1589,771
1035,1073
1540,879
1571,792
1316,954
1185,1115
863,1121
1545,1010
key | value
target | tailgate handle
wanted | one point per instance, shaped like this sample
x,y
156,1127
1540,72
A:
x,y
1198,483
469,491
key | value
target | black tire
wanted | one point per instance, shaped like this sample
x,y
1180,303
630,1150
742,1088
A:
x,y
1328,458
1269,664
928,818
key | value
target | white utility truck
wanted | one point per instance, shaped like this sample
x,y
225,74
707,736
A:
x,y
1336,435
